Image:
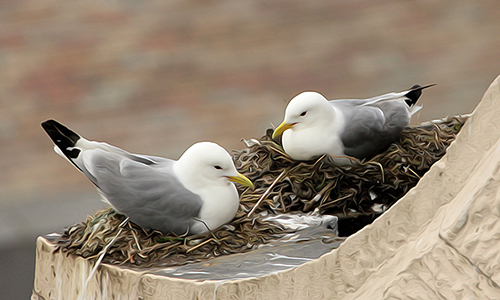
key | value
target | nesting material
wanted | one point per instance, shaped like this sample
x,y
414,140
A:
x,y
367,188
282,185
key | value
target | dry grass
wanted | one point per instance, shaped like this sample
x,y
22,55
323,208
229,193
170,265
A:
x,y
283,186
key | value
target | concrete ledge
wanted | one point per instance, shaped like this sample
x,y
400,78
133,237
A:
x,y
440,241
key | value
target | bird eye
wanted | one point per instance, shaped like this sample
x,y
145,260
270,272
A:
x,y
302,114
218,167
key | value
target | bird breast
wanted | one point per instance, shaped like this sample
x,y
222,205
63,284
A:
x,y
220,204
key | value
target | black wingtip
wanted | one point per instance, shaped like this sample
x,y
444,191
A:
x,y
415,93
62,136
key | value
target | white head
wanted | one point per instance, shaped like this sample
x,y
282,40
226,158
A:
x,y
305,110
208,164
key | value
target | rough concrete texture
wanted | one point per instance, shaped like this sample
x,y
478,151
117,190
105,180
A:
x,y
440,241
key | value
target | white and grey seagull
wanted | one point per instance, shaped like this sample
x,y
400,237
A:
x,y
358,128
190,195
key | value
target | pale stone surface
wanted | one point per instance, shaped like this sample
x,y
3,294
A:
x,y
440,241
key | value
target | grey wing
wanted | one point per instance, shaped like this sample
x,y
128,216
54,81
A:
x,y
370,129
149,193
372,100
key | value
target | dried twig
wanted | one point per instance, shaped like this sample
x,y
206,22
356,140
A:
x,y
265,194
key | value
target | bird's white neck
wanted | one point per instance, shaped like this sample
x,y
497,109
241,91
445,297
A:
x,y
187,176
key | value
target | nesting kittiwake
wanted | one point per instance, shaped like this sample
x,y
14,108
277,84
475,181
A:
x,y
358,128
193,194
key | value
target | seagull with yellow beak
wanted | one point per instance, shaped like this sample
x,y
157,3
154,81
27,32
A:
x,y
347,128
191,195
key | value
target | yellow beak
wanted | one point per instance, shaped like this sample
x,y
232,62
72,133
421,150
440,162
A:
x,y
280,129
241,179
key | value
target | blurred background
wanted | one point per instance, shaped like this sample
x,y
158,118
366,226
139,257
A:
x,y
154,77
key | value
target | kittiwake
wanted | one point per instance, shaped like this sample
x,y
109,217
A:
x,y
357,128
191,195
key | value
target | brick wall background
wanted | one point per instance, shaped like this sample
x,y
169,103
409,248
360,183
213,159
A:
x,y
156,76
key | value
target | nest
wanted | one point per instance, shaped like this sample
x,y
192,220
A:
x,y
282,185
124,242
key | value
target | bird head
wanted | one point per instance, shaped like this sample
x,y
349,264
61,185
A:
x,y
210,164
303,110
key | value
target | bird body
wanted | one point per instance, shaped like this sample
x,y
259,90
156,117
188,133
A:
x,y
156,192
358,128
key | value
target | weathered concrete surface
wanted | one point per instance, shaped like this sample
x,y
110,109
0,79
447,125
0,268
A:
x,y
441,241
